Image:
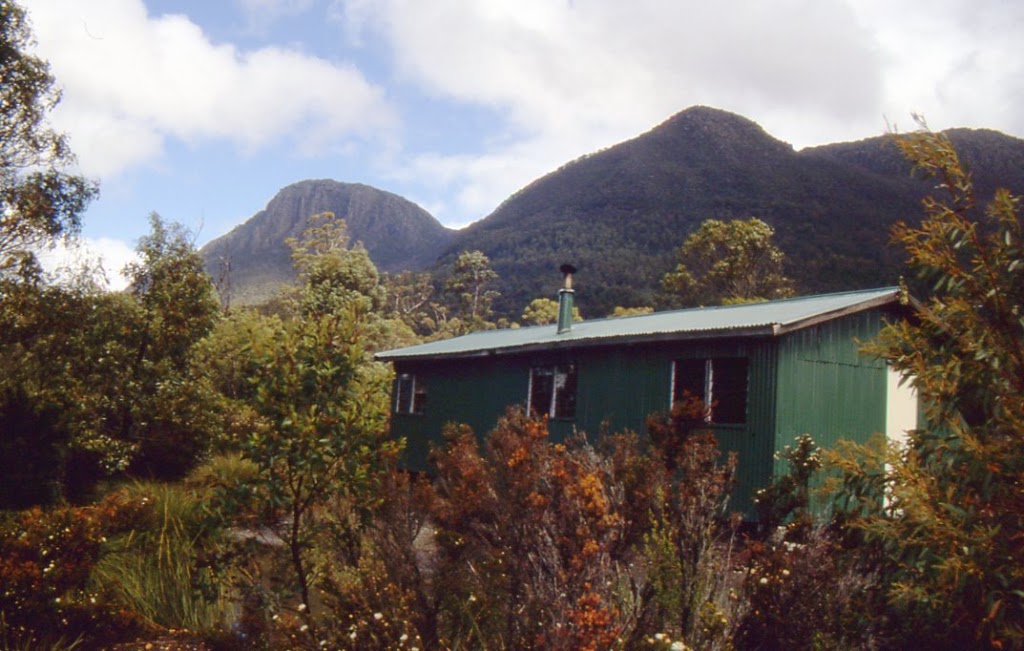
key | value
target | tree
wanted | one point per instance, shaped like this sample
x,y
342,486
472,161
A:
x,y
469,291
113,371
320,403
38,200
171,286
165,406
630,311
728,262
334,275
410,297
337,278
545,310
324,411
943,517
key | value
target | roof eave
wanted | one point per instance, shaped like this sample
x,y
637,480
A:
x,y
800,324
755,331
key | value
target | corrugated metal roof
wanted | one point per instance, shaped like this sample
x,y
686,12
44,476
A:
x,y
752,319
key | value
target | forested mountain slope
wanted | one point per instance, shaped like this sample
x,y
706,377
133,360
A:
x,y
620,213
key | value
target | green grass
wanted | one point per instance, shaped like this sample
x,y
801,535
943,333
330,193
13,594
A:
x,y
153,570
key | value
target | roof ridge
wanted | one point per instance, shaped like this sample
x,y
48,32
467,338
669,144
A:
x,y
765,318
703,308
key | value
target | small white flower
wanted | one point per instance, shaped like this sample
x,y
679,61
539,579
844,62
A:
x,y
302,607
304,628
403,638
472,598
378,616
352,635
764,580
659,636
678,646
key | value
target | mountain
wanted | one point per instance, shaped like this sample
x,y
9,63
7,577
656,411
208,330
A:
x,y
618,215
252,261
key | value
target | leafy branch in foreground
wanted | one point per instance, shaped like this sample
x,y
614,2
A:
x,y
945,513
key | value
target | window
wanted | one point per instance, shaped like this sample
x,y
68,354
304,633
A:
x,y
410,394
720,382
553,391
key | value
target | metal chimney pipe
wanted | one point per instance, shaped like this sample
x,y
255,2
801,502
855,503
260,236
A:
x,y
565,299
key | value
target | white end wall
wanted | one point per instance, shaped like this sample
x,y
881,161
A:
x,y
900,407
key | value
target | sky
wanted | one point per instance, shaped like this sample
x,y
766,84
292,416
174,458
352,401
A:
x,y
202,110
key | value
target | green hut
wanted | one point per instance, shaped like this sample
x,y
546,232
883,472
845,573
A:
x,y
771,371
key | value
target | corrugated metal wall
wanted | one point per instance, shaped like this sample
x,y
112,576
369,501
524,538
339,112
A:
x,y
475,392
813,381
826,388
618,387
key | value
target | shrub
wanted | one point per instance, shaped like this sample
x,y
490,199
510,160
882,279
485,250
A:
x,y
32,448
46,560
158,569
530,541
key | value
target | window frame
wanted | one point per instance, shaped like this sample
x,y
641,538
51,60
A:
x,y
562,396
712,401
412,401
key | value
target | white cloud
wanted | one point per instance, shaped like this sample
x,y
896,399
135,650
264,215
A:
x,y
608,65
956,61
572,77
569,78
132,80
106,255
556,79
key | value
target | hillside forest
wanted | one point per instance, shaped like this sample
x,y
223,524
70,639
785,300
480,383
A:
x,y
178,472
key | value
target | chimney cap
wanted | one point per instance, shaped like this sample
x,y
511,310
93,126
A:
x,y
567,269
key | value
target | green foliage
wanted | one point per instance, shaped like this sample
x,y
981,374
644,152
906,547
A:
x,y
409,299
337,279
541,311
334,276
470,294
157,569
176,295
114,371
728,262
944,516
787,500
630,311
167,408
39,202
32,445
228,359
325,410
65,347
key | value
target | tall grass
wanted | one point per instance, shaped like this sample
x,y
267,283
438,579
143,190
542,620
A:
x,y
155,571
